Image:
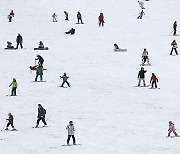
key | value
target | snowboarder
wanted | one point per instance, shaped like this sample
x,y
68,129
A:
x,y
41,115
64,77
174,46
79,17
39,72
14,85
71,31
171,129
54,16
19,40
145,57
10,122
9,45
101,19
141,4
141,76
71,129
174,27
116,46
41,60
141,14
41,45
66,15
154,81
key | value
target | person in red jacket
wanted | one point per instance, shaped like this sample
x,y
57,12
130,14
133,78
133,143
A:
x,y
174,27
174,46
101,19
154,81
54,17
66,15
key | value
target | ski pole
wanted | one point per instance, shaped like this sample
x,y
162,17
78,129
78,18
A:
x,y
4,124
19,91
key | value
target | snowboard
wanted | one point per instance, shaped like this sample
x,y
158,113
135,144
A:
x,y
70,144
45,48
10,48
120,50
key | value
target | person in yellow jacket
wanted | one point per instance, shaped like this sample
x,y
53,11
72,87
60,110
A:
x,y
14,85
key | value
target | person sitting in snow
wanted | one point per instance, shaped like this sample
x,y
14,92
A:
x,y
10,122
171,129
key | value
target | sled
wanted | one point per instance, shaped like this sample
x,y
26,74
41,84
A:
x,y
45,48
120,50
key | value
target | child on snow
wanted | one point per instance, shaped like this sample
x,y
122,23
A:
x,y
172,129
71,130
174,46
10,122
14,85
54,16
64,77
154,80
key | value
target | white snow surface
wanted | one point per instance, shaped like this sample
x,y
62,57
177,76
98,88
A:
x,y
110,115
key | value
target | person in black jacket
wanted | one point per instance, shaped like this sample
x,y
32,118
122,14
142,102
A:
x,y
19,40
10,122
41,60
141,76
41,115
79,17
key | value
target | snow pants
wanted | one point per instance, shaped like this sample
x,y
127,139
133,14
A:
x,y
140,81
174,50
74,140
173,132
13,92
43,120
154,83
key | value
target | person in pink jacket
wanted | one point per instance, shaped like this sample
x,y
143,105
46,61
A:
x,y
54,16
172,129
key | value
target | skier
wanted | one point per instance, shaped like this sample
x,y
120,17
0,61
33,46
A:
x,y
154,80
54,16
41,60
79,17
174,46
71,31
19,40
9,45
174,27
101,19
66,15
14,85
171,129
41,115
64,77
116,46
141,76
145,57
141,4
39,72
141,14
71,130
41,45
10,122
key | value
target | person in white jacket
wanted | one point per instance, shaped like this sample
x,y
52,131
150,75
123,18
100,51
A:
x,y
141,4
71,130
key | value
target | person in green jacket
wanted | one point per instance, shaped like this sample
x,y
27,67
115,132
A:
x,y
141,14
14,85
64,77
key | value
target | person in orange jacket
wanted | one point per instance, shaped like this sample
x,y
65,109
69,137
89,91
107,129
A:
x,y
174,27
174,46
54,16
101,19
153,80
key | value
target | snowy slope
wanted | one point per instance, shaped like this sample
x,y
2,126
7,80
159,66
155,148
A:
x,y
110,114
